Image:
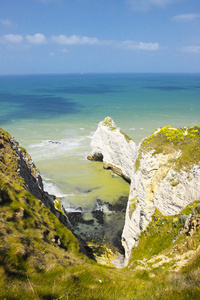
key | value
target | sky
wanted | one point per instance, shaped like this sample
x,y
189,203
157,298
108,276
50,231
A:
x,y
99,36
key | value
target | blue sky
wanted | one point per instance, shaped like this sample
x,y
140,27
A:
x,y
74,36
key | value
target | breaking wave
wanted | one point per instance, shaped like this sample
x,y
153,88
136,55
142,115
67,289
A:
x,y
52,188
48,149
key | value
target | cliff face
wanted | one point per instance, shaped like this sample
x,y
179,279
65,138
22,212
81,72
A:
x,y
157,185
117,151
164,171
24,172
17,165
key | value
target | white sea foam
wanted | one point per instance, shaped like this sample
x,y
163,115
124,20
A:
x,y
75,144
73,210
52,189
45,179
106,209
70,195
48,149
90,135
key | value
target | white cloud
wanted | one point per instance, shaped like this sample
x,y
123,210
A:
x,y
185,17
12,38
74,40
191,49
77,40
140,45
64,50
5,22
37,38
144,5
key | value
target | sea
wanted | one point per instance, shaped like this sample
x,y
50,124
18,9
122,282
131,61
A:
x,y
55,116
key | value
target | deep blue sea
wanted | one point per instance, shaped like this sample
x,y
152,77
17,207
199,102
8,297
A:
x,y
55,116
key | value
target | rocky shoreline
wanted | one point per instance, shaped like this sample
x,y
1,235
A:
x,y
104,229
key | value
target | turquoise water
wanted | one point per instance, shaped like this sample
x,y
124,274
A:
x,y
54,117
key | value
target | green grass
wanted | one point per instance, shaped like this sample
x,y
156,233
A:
x,y
132,206
128,139
169,139
161,232
137,162
108,122
41,259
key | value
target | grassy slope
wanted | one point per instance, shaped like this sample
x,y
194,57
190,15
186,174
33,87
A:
x,y
40,258
168,139
171,259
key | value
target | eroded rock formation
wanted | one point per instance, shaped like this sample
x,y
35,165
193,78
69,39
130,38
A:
x,y
117,151
163,170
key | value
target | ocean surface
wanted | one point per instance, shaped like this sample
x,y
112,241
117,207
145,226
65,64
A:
x,y
55,116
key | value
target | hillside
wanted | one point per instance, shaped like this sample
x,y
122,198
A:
x,y
41,259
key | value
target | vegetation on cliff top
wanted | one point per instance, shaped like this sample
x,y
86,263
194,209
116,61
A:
x,y
108,122
169,139
169,247
40,258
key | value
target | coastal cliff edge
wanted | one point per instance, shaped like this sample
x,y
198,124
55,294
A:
x,y
163,171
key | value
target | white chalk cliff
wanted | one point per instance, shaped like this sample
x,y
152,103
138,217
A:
x,y
156,178
117,151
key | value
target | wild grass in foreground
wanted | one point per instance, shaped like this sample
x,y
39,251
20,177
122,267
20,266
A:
x,y
35,266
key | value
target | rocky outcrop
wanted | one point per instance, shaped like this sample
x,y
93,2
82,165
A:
x,y
117,151
164,172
